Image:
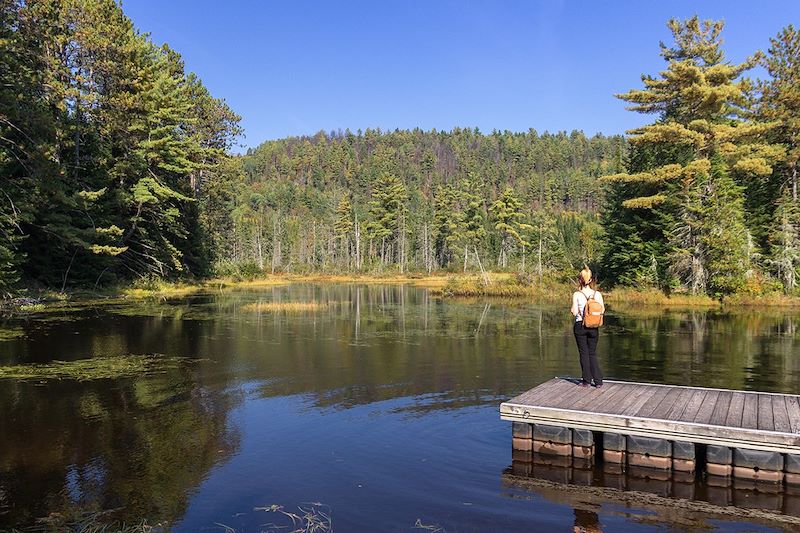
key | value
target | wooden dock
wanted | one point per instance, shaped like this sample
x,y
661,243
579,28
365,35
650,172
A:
x,y
736,419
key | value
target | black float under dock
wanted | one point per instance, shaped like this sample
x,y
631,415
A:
x,y
727,433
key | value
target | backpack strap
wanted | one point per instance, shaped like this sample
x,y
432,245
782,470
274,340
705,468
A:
x,y
586,305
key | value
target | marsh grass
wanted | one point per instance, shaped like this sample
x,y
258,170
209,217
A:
x,y
433,528
7,334
155,288
652,297
87,522
284,307
763,300
309,518
94,368
505,286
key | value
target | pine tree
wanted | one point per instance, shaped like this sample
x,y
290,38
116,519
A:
x,y
343,226
700,107
448,221
510,224
473,229
780,100
546,243
784,257
709,240
25,125
387,211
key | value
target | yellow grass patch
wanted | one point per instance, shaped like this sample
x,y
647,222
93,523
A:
x,y
764,300
284,307
503,285
635,297
160,289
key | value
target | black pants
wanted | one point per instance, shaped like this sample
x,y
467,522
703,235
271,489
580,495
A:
x,y
587,348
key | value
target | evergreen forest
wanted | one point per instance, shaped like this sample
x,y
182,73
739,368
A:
x,y
116,165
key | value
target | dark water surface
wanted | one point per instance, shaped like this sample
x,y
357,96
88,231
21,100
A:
x,y
379,410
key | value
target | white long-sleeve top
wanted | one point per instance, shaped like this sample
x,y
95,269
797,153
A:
x,y
579,299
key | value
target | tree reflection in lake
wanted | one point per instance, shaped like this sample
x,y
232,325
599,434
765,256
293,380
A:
x,y
137,445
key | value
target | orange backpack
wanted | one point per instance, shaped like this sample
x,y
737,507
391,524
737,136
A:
x,y
592,313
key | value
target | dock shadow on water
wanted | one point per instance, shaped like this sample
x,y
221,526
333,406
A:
x,y
377,402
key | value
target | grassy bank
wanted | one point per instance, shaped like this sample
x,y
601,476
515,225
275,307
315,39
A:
x,y
166,289
503,285
442,284
654,297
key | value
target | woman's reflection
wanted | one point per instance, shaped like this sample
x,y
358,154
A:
x,y
586,521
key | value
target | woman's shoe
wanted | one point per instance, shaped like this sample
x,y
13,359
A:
x,y
583,384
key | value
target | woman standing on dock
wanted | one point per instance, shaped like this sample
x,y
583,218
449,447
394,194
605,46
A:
x,y
586,329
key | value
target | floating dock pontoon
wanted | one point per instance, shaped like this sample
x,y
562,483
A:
x,y
753,435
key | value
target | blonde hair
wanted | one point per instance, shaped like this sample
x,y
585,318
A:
x,y
585,278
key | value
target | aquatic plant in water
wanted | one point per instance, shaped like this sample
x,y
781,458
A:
x,y
309,518
88,522
95,368
7,334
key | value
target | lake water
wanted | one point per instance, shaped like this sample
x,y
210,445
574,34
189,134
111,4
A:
x,y
378,412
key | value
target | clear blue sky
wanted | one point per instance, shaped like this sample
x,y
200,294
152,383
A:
x,y
296,67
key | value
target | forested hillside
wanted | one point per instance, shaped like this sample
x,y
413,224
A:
x,y
115,166
416,200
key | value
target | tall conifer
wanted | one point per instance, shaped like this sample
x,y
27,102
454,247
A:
x,y
699,100
511,224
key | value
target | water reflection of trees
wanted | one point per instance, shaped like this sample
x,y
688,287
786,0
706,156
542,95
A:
x,y
753,349
145,444
375,343
140,446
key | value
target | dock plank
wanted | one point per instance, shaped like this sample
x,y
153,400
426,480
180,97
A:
x,y
611,398
766,419
564,396
703,415
535,394
636,400
750,413
594,396
676,411
638,406
693,407
651,404
781,415
721,408
666,404
735,410
793,409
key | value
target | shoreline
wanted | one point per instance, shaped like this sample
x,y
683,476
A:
x,y
503,285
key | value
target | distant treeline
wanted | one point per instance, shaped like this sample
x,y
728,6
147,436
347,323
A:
x,y
115,166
